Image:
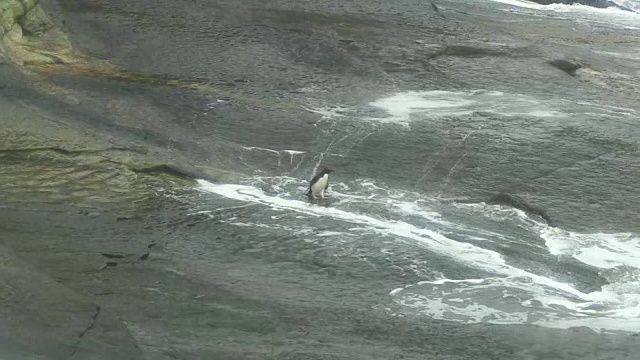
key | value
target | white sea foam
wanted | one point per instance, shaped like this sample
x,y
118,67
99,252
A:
x,y
520,3
630,4
611,16
616,306
516,300
331,233
400,107
481,258
277,152
403,108
604,251
512,295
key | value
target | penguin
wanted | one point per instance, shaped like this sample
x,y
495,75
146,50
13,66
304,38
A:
x,y
319,184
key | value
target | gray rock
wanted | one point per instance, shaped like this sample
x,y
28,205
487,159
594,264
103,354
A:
x,y
41,316
35,22
519,203
568,66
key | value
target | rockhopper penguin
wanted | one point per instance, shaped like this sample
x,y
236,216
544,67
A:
x,y
319,184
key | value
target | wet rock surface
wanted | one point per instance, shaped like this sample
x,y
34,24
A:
x,y
594,3
96,261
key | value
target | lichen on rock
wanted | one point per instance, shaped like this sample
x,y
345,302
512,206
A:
x,y
35,22
28,36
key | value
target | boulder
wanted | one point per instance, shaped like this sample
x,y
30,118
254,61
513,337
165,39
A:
x,y
29,37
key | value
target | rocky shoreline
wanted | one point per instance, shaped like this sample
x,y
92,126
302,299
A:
x,y
110,108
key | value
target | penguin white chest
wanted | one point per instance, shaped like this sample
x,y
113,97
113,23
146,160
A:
x,y
318,187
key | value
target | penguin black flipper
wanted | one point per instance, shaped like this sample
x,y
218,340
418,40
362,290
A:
x,y
315,179
321,176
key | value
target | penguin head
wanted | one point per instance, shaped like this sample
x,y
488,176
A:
x,y
327,170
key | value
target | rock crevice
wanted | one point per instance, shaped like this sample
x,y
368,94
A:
x,y
94,319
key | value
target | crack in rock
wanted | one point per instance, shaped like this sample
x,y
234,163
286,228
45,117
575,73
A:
x,y
94,320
